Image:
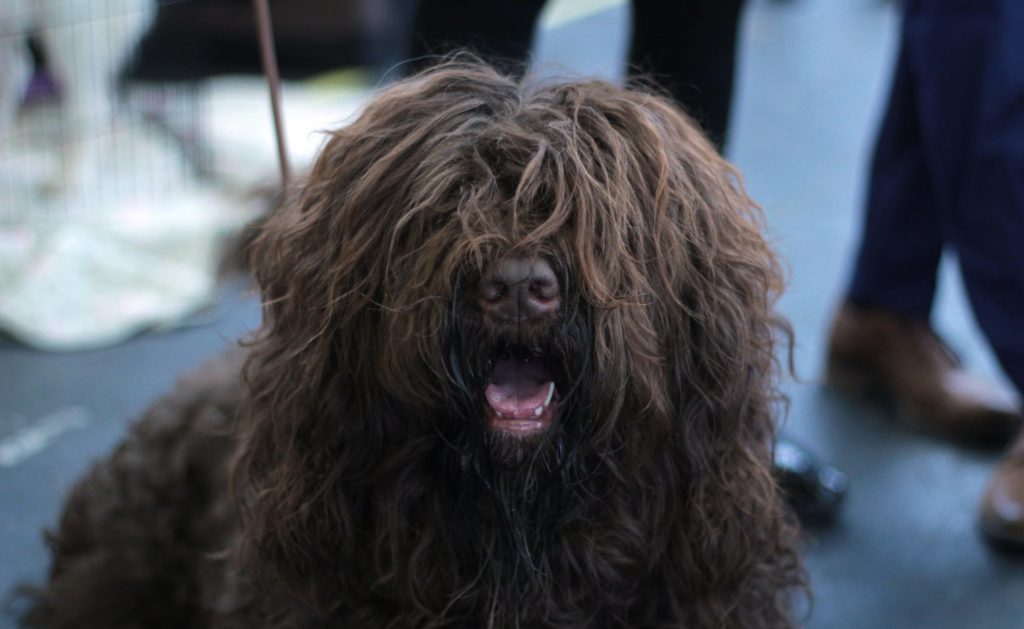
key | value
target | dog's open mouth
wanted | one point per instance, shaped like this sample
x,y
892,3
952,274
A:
x,y
521,396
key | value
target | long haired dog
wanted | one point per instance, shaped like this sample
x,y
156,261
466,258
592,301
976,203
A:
x,y
516,370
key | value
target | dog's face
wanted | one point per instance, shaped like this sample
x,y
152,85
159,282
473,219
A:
x,y
533,325
609,209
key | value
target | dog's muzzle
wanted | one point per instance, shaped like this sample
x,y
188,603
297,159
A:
x,y
519,295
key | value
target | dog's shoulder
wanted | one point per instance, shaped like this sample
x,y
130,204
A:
x,y
139,527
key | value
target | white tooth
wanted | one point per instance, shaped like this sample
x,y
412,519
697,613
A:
x,y
537,411
551,394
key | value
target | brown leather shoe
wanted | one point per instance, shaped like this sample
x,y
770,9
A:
x,y
877,352
1002,507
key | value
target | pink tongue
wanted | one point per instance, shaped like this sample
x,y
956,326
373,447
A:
x,y
517,388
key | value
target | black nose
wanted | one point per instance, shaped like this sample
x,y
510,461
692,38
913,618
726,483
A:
x,y
518,289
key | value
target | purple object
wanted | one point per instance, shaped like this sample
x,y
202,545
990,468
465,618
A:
x,y
42,88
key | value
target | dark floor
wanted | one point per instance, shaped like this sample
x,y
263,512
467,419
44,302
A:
x,y
813,75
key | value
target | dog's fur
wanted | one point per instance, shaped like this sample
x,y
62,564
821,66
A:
x,y
370,490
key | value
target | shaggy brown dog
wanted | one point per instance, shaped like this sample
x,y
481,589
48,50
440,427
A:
x,y
516,370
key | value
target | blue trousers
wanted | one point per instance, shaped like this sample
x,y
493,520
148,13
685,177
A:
x,y
948,170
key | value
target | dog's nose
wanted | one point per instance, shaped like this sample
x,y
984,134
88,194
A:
x,y
516,289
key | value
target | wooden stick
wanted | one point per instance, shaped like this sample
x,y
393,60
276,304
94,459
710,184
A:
x,y
269,55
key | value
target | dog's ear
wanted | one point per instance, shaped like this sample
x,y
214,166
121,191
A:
x,y
667,247
672,254
717,280
721,280
354,271
361,264
704,280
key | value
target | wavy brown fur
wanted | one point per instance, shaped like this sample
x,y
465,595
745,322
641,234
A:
x,y
371,493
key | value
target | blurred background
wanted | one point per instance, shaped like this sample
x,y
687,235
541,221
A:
x,y
136,142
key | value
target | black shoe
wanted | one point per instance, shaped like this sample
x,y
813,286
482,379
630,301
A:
x,y
813,490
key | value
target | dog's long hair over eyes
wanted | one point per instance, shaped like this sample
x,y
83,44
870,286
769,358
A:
x,y
356,492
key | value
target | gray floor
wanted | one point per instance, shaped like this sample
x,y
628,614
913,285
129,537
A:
x,y
813,76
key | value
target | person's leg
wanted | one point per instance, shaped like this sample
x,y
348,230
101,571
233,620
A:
x,y
901,241
881,338
689,48
987,227
500,30
988,232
